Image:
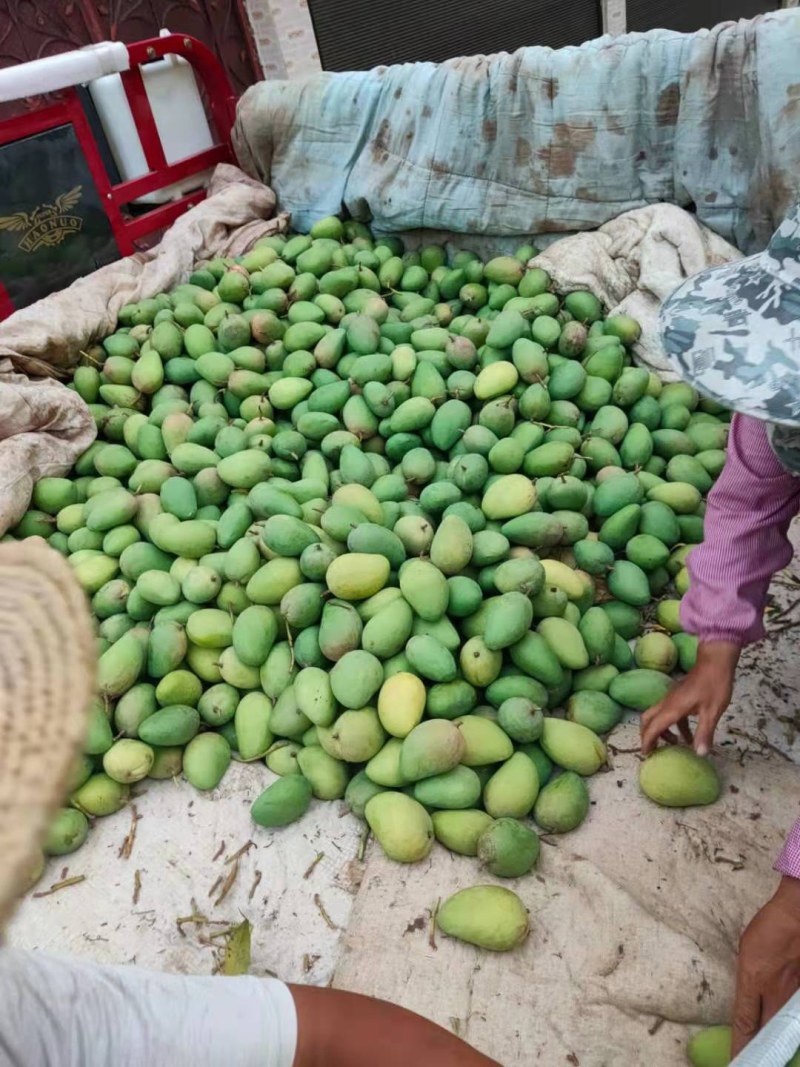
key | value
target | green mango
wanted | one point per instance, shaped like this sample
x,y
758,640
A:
x,y
387,632
66,833
640,689
508,618
484,742
51,495
533,530
449,700
340,629
628,583
613,494
656,651
384,767
562,804
509,686
597,631
360,791
252,726
622,658
595,679
449,423
712,1048
688,470
99,737
431,748
283,802
521,718
533,655
314,696
457,788
401,825
281,758
167,647
287,536
175,724
549,460
120,666
271,582
647,552
111,508
595,710
488,916
674,776
572,746
355,678
430,658
355,737
507,848
425,588
565,641
128,761
177,687
327,776
100,796
460,830
512,790
542,763
620,527
686,645
595,557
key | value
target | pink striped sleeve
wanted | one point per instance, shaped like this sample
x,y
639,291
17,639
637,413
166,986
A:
x,y
789,860
746,523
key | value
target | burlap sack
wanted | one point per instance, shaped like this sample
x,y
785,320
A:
x,y
633,263
635,920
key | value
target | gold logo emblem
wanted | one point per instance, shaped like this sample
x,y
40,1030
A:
x,y
47,225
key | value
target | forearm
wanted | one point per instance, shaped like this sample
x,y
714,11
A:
x,y
748,515
338,1029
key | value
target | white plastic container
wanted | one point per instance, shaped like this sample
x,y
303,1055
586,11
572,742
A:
x,y
179,117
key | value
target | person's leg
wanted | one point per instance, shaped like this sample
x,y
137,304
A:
x,y
338,1029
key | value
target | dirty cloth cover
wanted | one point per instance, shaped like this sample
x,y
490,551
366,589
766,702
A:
x,y
544,141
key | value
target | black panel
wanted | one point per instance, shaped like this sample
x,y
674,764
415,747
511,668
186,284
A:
x,y
53,228
359,34
99,134
690,15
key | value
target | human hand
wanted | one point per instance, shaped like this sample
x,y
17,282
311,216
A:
x,y
768,972
705,692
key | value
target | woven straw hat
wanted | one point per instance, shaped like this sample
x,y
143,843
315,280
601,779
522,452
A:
x,y
47,668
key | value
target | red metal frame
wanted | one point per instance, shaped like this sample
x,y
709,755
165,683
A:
x,y
129,229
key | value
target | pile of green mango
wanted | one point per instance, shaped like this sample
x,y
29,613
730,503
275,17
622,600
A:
x,y
392,525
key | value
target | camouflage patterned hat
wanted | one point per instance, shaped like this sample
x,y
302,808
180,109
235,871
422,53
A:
x,y
734,331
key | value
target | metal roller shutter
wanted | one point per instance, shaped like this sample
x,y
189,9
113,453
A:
x,y
690,15
359,34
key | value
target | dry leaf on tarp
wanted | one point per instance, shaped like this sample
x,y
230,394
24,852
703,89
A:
x,y
236,958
